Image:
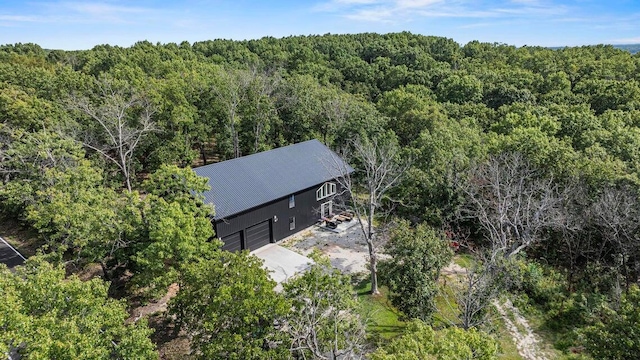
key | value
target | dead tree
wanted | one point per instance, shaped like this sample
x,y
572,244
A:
x,y
512,203
615,213
475,287
478,287
123,117
381,169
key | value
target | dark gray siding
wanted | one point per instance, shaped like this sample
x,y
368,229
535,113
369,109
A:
x,y
306,213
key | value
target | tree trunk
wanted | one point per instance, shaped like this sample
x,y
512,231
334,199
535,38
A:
x,y
373,263
203,154
236,142
373,258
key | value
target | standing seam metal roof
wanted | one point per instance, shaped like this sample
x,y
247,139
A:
x,y
246,182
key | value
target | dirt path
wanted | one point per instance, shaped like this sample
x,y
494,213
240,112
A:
x,y
520,330
453,269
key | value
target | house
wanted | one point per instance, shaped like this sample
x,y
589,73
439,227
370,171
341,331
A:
x,y
265,197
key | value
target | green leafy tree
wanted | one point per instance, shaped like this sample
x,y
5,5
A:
x,y
440,152
421,342
615,335
460,89
177,227
61,195
228,307
26,157
45,316
416,257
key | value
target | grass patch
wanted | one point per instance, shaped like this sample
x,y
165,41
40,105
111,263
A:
x,y
384,319
556,343
502,335
463,260
447,312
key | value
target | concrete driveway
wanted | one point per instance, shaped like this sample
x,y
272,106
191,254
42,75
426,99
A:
x,y
9,255
281,262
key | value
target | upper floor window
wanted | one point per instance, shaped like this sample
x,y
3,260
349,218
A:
x,y
292,201
326,190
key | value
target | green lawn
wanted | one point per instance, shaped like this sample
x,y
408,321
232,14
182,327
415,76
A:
x,y
463,260
383,318
447,311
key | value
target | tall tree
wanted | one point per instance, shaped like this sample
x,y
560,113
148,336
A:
x,y
511,202
416,257
228,307
381,169
232,93
45,316
121,117
176,226
615,214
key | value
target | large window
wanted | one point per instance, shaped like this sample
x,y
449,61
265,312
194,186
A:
x,y
292,201
326,190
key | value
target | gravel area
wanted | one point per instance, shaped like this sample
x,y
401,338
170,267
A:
x,y
346,250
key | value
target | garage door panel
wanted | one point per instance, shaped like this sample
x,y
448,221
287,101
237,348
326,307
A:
x,y
232,242
258,235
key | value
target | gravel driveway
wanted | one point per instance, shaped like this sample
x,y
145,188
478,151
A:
x,y
346,250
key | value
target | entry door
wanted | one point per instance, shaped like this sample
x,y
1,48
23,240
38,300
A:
x,y
258,235
326,209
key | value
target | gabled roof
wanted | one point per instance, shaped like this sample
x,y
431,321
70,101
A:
x,y
246,182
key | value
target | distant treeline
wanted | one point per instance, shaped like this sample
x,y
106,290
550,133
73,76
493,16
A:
x,y
632,48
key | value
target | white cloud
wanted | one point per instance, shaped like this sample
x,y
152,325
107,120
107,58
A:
x,y
415,4
102,9
380,14
402,10
104,12
18,18
356,2
67,12
632,40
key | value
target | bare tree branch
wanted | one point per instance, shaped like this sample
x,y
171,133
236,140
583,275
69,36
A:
x,y
124,118
382,169
511,202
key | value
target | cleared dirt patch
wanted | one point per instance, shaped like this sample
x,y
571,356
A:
x,y
347,250
525,339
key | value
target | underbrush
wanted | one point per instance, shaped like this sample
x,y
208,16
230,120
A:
x,y
559,316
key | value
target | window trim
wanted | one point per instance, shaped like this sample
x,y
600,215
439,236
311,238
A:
x,y
327,189
326,206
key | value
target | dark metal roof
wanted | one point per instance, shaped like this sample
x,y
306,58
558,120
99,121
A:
x,y
246,182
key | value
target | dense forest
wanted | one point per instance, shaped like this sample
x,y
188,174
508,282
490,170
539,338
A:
x,y
527,157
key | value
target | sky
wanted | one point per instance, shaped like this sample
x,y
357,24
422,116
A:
x,y
76,25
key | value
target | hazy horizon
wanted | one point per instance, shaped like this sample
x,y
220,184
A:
x,y
77,25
